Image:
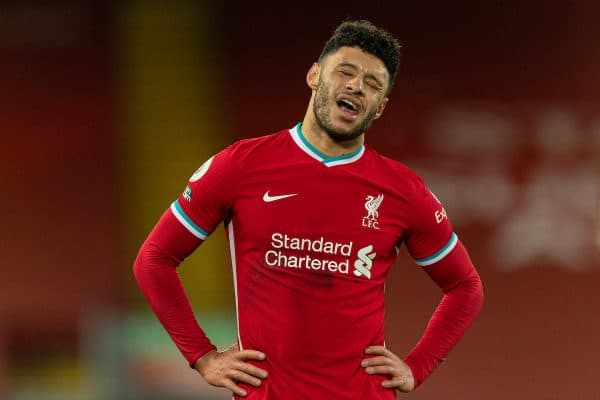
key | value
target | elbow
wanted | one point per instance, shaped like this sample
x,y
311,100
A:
x,y
150,261
143,262
138,265
470,289
477,292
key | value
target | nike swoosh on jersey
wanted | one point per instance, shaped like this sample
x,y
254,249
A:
x,y
268,198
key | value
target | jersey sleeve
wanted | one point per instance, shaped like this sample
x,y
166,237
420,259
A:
x,y
430,236
208,197
432,243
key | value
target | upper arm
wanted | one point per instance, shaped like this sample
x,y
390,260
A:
x,y
209,195
206,201
430,236
433,244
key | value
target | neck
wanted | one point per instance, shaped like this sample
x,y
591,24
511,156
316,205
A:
x,y
318,137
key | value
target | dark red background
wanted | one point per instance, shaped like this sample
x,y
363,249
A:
x,y
61,230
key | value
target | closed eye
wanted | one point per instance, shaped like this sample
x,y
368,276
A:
x,y
374,84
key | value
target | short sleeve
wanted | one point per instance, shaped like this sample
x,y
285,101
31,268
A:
x,y
430,236
209,194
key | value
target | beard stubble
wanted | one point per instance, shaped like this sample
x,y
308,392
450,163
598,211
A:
x,y
321,107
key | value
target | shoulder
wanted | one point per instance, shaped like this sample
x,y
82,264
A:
x,y
246,147
230,160
395,170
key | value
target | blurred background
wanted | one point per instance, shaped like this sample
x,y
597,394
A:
x,y
106,108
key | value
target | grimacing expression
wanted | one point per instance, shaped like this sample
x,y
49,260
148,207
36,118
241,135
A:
x,y
350,93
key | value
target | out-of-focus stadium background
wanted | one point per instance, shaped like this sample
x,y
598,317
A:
x,y
107,108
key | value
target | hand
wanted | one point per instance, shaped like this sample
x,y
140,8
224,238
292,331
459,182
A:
x,y
227,368
387,363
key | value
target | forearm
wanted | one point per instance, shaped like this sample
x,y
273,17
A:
x,y
156,274
461,303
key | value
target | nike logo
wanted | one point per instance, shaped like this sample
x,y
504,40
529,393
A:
x,y
268,198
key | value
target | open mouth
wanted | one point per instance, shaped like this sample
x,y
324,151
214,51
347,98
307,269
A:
x,y
348,107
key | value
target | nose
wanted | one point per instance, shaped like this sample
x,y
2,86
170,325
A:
x,y
355,85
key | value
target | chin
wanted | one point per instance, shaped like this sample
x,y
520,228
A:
x,y
342,135
344,127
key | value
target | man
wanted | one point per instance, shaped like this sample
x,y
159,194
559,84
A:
x,y
314,221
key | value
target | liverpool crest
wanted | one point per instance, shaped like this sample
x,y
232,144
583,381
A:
x,y
372,204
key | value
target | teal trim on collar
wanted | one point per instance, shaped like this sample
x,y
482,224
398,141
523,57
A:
x,y
324,159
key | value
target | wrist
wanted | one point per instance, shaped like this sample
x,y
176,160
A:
x,y
413,365
201,363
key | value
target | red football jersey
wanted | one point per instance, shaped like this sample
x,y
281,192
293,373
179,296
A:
x,y
312,239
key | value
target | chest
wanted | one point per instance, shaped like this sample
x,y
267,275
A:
x,y
310,202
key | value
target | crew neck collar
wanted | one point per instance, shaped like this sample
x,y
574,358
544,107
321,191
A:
x,y
300,140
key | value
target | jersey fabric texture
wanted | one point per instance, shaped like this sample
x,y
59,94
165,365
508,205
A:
x,y
312,239
310,268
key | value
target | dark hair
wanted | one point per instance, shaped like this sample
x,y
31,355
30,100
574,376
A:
x,y
368,38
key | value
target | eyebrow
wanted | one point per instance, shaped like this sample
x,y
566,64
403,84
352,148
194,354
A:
x,y
353,66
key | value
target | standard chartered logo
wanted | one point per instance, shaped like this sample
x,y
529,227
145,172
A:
x,y
318,254
364,262
314,254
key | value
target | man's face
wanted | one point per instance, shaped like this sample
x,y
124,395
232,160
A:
x,y
350,92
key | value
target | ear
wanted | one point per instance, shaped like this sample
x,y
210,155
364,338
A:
x,y
381,107
312,77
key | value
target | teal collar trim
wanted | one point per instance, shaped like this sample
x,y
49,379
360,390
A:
x,y
296,133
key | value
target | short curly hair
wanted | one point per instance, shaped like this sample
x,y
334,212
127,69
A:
x,y
368,38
